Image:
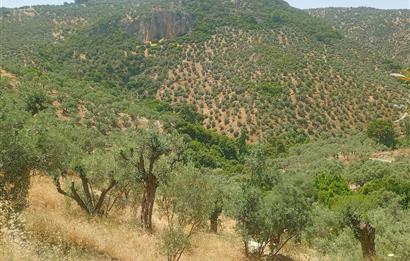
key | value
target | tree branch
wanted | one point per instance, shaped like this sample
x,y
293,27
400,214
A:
x,y
78,199
102,196
284,243
124,157
60,190
84,181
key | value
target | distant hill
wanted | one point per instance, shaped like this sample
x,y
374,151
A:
x,y
262,65
386,31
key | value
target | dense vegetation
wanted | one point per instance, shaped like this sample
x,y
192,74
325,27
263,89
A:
x,y
264,66
364,24
250,113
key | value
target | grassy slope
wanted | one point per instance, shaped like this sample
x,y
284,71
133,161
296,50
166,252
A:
x,y
57,230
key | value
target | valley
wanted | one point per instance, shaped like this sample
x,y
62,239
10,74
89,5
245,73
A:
x,y
204,130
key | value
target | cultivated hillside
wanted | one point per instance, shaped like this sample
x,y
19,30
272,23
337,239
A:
x,y
112,145
386,31
262,66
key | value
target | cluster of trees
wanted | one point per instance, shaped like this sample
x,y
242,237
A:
x,y
193,175
383,132
105,172
119,60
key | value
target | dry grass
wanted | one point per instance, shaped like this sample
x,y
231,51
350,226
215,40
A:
x,y
58,230
50,218
11,251
10,76
210,247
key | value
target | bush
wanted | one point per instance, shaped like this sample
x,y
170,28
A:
x,y
383,132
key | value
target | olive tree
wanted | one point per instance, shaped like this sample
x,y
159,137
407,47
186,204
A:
x,y
220,196
186,202
152,155
354,211
383,132
270,210
84,166
371,219
17,150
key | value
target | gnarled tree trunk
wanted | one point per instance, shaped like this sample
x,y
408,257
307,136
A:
x,y
214,224
214,218
92,204
148,200
366,234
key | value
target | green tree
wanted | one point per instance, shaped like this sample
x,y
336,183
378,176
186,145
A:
x,y
36,101
268,207
383,132
18,153
241,142
330,185
83,165
219,196
152,156
355,211
186,201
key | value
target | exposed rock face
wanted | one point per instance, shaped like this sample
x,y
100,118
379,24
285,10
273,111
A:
x,y
159,24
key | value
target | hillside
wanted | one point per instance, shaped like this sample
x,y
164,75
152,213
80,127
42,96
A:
x,y
265,67
201,130
386,31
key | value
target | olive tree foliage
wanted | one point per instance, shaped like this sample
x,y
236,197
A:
x,y
372,222
406,129
354,211
221,197
326,233
84,165
152,155
361,227
186,202
270,210
17,150
383,132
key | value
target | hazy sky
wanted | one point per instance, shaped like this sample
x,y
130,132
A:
x,y
385,4
382,4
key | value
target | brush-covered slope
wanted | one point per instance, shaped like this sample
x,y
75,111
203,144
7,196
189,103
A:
x,y
262,66
387,31
24,30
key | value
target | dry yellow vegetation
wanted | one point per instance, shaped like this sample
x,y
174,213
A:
x,y
58,230
52,219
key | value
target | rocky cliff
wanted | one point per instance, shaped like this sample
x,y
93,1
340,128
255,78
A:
x,y
159,24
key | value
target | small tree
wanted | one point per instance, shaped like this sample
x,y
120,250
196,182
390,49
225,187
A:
x,y
354,211
100,174
18,155
88,166
383,132
220,197
268,207
186,201
144,154
36,101
217,208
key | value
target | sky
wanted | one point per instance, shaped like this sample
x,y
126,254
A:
x,y
383,4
